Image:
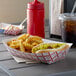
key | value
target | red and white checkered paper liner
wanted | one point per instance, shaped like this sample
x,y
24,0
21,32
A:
x,y
12,31
49,57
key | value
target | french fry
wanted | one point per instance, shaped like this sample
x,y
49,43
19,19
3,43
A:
x,y
27,35
27,46
25,42
34,43
14,44
23,37
21,46
9,43
34,39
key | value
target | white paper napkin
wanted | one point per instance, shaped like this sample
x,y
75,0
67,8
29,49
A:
x,y
21,60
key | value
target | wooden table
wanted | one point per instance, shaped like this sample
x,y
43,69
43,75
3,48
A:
x,y
24,69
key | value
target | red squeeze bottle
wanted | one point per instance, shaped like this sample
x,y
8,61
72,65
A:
x,y
35,18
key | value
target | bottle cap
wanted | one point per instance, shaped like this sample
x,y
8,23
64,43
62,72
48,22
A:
x,y
35,5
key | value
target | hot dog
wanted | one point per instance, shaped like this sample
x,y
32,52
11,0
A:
x,y
49,47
